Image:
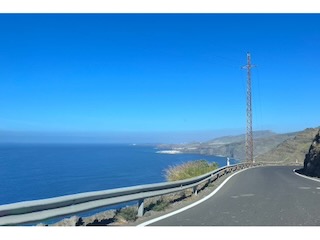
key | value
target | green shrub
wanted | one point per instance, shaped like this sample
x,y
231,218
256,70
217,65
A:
x,y
189,170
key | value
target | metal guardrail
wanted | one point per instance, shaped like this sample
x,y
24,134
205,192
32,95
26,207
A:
x,y
39,210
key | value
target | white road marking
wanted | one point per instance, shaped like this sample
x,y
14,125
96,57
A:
x,y
304,187
247,195
191,205
310,178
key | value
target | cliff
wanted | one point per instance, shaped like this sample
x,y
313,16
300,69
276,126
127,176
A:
x,y
312,159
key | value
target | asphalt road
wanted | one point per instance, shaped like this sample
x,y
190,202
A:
x,y
262,196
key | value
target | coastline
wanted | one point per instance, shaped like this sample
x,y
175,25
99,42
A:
x,y
169,152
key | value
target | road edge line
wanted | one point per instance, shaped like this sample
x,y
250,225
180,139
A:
x,y
191,205
300,175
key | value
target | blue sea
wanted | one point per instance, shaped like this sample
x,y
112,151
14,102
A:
x,y
38,171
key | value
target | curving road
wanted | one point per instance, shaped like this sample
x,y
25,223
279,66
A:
x,y
262,196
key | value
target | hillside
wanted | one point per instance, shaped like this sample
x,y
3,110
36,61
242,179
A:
x,y
239,138
234,146
291,150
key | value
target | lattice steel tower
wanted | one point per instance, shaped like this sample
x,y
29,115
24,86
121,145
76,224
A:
x,y
249,137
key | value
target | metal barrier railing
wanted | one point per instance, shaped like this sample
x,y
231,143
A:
x,y
38,210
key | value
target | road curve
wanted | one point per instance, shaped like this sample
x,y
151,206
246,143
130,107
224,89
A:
x,y
262,196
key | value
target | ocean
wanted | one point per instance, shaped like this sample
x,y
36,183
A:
x,y
38,171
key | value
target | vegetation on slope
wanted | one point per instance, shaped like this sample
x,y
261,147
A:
x,y
189,170
291,150
234,146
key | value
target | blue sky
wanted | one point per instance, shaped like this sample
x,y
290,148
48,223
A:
x,y
157,77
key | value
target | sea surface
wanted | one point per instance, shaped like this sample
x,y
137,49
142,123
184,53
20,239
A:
x,y
38,171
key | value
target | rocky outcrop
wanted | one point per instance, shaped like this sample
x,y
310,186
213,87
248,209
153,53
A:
x,y
312,160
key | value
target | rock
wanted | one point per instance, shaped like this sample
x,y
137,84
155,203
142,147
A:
x,y
100,219
312,159
72,221
41,225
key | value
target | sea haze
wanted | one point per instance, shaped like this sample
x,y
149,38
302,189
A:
x,y
37,171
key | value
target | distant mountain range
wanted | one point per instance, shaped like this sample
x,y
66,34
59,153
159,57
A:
x,y
268,146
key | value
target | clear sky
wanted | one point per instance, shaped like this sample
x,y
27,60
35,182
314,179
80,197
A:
x,y
166,78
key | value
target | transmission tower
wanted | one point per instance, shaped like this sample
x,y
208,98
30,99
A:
x,y
249,138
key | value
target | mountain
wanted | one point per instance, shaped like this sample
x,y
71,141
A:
x,y
292,149
234,146
239,138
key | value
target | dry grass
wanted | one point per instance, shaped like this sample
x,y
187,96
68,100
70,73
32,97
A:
x,y
127,214
189,170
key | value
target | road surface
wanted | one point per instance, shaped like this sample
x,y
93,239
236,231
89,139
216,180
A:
x,y
262,196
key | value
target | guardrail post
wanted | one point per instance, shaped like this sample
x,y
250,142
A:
x,y
140,207
195,190
217,176
210,179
